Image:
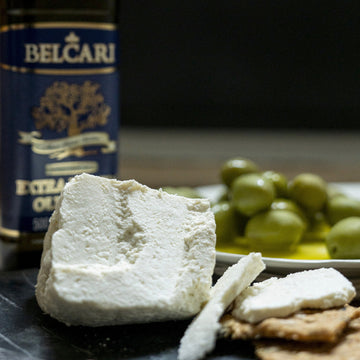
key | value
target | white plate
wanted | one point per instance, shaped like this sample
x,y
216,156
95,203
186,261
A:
x,y
350,268
281,267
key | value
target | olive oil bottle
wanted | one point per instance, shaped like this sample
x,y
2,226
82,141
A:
x,y
59,100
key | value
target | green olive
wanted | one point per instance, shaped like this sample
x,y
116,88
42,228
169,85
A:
x,y
226,223
309,191
251,193
343,240
287,204
341,207
317,229
280,182
182,191
233,168
274,230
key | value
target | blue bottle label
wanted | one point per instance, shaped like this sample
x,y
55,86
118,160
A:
x,y
59,115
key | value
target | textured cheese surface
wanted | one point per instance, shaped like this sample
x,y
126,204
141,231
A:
x,y
119,252
318,289
200,337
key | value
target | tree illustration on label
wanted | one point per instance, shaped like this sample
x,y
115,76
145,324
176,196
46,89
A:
x,y
73,108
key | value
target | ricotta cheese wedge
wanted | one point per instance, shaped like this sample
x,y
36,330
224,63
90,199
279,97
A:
x,y
200,337
318,289
118,252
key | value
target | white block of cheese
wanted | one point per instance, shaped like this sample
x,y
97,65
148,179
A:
x,y
200,337
318,289
118,252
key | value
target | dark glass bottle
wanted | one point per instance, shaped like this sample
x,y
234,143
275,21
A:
x,y
59,98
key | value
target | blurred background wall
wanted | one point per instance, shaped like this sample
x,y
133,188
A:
x,y
241,63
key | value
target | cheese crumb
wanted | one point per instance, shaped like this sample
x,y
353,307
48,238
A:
x,y
319,289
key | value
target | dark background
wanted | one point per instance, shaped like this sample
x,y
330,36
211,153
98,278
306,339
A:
x,y
241,63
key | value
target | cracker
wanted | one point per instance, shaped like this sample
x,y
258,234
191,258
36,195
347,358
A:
x,y
306,325
348,348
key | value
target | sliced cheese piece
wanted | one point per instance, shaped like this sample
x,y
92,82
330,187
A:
x,y
118,252
200,337
319,289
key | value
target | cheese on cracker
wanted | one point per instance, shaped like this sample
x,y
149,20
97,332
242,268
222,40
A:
x,y
319,289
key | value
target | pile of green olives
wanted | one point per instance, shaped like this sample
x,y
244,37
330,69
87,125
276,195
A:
x,y
264,211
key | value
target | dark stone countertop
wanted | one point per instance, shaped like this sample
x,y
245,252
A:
x,y
27,333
